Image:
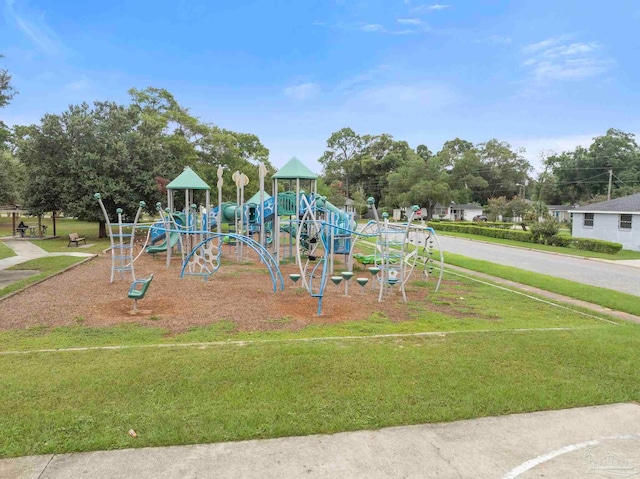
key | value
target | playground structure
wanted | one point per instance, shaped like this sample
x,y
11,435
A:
x,y
296,226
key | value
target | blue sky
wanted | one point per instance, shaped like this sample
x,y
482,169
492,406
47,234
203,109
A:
x,y
543,75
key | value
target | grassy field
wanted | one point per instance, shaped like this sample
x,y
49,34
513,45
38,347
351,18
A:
x,y
46,268
492,353
77,401
5,251
602,296
64,226
496,353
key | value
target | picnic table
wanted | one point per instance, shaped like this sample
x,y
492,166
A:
x,y
35,232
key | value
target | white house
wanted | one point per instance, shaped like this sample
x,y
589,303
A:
x,y
560,212
453,212
615,220
464,212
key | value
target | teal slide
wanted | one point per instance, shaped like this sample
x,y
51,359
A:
x,y
173,240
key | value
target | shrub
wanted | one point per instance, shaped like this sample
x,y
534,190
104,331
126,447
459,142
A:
x,y
595,245
527,237
544,230
472,229
557,240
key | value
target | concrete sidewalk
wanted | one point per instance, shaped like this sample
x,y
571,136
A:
x,y
601,441
26,251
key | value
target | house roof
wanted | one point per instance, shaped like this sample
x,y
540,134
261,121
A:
x,y
255,199
626,204
467,206
560,207
293,170
188,180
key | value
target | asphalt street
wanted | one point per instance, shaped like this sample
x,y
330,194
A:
x,y
621,278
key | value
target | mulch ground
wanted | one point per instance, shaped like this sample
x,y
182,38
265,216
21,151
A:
x,y
241,293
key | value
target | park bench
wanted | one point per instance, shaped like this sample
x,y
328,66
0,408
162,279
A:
x,y
75,238
135,293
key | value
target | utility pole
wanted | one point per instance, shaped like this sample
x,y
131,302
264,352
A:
x,y
609,189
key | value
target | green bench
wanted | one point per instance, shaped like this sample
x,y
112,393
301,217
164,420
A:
x,y
135,293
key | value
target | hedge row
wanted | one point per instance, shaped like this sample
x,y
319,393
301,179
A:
x,y
473,229
486,224
584,244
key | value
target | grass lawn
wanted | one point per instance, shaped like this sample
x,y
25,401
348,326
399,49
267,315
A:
x,y
483,363
64,226
5,251
622,254
602,296
77,401
45,266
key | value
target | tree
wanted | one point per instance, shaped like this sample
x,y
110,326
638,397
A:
x,y
86,150
338,161
581,175
7,92
362,161
502,168
11,179
204,147
419,182
496,207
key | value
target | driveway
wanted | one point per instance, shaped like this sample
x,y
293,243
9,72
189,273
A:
x,y
623,278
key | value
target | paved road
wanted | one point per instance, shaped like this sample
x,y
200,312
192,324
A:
x,y
596,273
598,442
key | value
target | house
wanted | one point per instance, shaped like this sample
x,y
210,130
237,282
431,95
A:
x,y
349,206
615,220
562,213
464,212
454,212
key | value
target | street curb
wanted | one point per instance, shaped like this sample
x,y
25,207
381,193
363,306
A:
x,y
14,293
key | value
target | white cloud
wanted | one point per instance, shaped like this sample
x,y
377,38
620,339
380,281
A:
x,y
555,59
372,27
429,8
438,6
303,91
33,26
409,21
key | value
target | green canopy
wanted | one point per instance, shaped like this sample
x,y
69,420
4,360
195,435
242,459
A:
x,y
255,199
188,180
293,170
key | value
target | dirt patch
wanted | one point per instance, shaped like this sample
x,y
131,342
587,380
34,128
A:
x,y
241,293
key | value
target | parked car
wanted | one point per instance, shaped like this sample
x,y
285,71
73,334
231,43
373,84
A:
x,y
480,218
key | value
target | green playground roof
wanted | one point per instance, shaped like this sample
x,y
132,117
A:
x,y
188,180
295,169
255,199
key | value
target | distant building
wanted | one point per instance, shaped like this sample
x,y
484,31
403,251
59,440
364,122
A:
x,y
453,212
561,213
615,220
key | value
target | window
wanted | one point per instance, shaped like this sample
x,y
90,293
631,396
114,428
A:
x,y
625,222
587,222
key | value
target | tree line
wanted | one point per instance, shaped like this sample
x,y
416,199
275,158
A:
x,y
129,152
491,174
